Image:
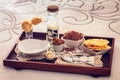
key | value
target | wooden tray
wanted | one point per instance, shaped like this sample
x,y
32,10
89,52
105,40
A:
x,y
45,65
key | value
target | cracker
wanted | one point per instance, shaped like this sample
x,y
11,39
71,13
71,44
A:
x,y
96,42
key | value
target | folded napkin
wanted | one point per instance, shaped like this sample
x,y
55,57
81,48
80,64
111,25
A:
x,y
93,61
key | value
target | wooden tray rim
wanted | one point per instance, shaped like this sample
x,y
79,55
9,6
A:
x,y
6,60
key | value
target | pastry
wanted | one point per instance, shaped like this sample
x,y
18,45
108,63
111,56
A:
x,y
27,26
36,20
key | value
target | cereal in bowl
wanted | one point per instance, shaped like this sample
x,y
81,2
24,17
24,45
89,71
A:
x,y
72,35
58,44
73,39
57,41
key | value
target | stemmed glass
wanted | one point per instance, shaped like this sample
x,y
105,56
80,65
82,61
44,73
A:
x,y
29,35
27,26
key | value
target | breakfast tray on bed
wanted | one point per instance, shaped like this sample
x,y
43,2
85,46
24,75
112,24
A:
x,y
46,65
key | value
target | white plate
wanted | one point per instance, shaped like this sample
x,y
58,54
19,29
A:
x,y
33,46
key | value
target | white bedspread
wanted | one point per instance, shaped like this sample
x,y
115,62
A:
x,y
91,17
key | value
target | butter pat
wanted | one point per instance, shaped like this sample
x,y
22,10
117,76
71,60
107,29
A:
x,y
50,55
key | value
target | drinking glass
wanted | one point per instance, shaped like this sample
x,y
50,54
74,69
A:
x,y
29,35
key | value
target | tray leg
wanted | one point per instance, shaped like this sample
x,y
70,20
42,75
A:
x,y
17,68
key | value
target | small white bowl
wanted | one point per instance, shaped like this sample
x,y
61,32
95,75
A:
x,y
91,52
33,46
58,48
73,43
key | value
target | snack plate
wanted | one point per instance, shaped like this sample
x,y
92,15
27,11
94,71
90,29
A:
x,y
46,65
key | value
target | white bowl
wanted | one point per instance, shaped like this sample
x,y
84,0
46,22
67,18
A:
x,y
58,48
91,52
73,43
33,46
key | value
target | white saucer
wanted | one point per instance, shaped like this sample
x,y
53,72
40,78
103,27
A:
x,y
33,46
